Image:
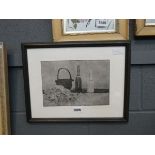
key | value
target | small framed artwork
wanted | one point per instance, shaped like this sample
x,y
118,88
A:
x,y
76,82
145,27
89,29
4,95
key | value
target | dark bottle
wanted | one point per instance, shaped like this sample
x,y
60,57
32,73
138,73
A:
x,y
78,81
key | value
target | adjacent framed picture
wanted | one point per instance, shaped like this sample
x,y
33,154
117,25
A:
x,y
77,82
65,30
145,27
4,95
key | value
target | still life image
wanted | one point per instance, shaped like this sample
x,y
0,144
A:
x,y
75,82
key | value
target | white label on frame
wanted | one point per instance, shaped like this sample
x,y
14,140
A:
x,y
101,23
117,52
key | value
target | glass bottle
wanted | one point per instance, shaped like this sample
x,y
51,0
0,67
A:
x,y
78,81
90,83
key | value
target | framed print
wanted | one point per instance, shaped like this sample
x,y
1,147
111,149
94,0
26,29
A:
x,y
76,82
4,99
145,27
89,29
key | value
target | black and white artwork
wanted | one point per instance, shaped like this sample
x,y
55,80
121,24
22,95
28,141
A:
x,y
76,26
75,82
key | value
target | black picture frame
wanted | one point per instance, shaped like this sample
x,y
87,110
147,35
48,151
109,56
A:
x,y
126,44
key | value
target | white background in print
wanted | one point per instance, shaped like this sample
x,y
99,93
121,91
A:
x,y
76,26
116,55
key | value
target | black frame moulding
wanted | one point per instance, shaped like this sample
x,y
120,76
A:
x,y
126,44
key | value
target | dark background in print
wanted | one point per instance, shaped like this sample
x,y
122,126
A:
x,y
100,74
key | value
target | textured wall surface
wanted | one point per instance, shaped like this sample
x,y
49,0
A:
x,y
142,98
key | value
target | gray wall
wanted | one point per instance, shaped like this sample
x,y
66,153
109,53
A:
x,y
142,93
